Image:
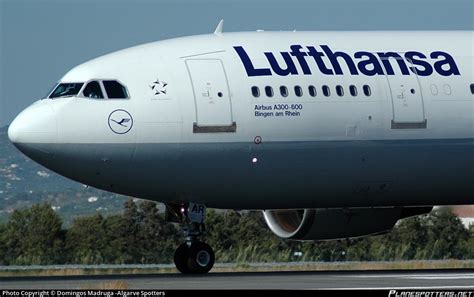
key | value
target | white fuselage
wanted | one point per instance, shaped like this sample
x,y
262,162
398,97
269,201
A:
x,y
352,119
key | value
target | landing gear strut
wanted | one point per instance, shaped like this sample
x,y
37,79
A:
x,y
192,256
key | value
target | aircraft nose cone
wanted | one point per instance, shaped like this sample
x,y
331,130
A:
x,y
34,125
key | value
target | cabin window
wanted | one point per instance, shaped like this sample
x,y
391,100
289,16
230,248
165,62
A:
x,y
312,91
353,90
472,88
367,90
284,91
269,91
93,90
447,89
339,91
326,91
66,90
298,91
114,89
255,92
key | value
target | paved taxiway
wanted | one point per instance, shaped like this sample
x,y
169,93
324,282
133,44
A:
x,y
442,279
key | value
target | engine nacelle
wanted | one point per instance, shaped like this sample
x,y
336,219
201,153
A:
x,y
324,224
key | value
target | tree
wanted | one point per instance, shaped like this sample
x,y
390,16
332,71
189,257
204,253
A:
x,y
141,235
34,236
469,245
446,236
132,219
116,249
3,246
158,238
412,238
222,229
86,241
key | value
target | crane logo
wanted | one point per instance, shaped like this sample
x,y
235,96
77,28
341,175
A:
x,y
120,121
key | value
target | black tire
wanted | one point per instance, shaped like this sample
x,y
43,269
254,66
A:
x,y
200,258
181,256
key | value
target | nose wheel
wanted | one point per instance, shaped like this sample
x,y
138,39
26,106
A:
x,y
192,256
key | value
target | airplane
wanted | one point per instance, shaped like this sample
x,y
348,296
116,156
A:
x,y
331,134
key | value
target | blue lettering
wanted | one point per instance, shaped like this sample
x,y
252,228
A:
x,y
251,71
448,61
372,61
319,61
388,66
416,59
290,65
300,56
364,62
335,64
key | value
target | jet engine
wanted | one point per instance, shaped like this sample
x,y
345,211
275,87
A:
x,y
325,224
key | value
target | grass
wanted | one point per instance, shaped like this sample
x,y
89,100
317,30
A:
x,y
353,266
245,267
118,285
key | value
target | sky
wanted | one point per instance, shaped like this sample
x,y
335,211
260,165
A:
x,y
40,40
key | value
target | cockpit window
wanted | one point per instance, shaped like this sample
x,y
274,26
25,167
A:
x,y
114,89
51,90
93,90
66,90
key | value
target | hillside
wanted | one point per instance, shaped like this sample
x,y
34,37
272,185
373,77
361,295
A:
x,y
24,182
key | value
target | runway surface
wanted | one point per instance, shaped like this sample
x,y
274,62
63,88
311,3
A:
x,y
441,279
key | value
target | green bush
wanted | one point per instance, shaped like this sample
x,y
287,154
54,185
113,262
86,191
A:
x,y
141,235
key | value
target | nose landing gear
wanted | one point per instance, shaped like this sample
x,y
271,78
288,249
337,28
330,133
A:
x,y
192,256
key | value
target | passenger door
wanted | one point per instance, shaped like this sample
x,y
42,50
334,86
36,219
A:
x,y
211,95
407,100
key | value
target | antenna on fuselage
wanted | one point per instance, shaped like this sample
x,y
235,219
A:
x,y
219,28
